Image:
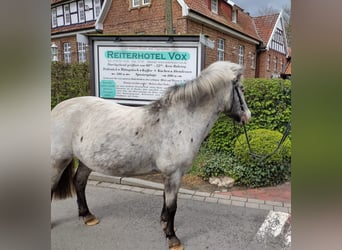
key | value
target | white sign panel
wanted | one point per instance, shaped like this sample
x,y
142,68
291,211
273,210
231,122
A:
x,y
138,74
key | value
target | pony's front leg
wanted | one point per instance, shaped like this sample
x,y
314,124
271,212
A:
x,y
171,187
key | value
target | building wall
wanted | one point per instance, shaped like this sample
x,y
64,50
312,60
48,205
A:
x,y
271,72
122,19
231,47
73,50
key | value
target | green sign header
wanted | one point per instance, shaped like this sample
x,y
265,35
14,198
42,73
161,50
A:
x,y
147,55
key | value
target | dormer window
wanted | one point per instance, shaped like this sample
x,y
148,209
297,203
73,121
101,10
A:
x,y
234,15
214,6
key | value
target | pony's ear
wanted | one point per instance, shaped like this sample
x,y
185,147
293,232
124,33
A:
x,y
238,71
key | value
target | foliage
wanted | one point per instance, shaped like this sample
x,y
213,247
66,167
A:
x,y
270,103
68,80
255,171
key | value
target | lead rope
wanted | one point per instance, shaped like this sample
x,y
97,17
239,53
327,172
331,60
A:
x,y
264,157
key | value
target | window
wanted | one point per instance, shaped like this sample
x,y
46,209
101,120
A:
x,y
81,49
54,17
234,15
137,3
281,65
252,60
214,6
241,54
67,54
67,18
97,8
81,15
277,42
268,62
220,49
275,64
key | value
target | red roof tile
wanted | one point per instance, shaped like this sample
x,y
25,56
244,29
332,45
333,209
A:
x,y
244,24
265,25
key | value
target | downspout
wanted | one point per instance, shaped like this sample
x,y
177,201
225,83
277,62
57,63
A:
x,y
168,17
104,10
259,50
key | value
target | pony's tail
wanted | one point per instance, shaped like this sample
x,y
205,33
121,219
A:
x,y
65,187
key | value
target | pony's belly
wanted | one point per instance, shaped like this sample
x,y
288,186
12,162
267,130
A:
x,y
126,169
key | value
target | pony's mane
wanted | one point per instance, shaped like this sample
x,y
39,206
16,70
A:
x,y
206,85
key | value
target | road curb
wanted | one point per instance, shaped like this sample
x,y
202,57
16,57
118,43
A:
x,y
143,186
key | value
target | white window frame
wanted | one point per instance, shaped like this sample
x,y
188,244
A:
x,y
67,52
97,8
54,17
137,3
81,51
67,16
234,15
268,65
214,6
81,12
220,49
275,64
253,60
241,54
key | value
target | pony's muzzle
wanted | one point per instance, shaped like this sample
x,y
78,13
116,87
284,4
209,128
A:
x,y
246,116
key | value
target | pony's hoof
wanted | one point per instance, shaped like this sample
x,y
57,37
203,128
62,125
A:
x,y
179,247
175,244
90,220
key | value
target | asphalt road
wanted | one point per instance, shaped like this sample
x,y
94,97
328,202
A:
x,y
130,220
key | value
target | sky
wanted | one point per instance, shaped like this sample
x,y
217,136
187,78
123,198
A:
x,y
253,6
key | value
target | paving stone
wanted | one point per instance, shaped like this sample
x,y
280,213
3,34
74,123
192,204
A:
x,y
137,189
281,209
186,191
198,198
236,198
222,196
274,203
92,182
266,207
238,203
211,199
225,202
198,193
184,196
256,201
252,205
104,184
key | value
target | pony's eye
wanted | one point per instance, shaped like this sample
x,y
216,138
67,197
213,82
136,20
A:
x,y
242,89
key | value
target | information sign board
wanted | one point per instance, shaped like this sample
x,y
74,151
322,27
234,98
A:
x,y
138,72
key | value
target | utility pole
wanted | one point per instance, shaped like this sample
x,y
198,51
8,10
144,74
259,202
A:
x,y
168,17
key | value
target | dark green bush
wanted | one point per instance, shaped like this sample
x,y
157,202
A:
x,y
269,101
255,171
219,164
68,80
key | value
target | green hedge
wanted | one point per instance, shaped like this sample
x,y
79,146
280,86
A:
x,y
68,80
269,101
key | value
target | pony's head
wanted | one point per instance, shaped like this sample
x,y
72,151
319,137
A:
x,y
230,76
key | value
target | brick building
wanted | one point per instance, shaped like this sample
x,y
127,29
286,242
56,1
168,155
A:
x,y
257,43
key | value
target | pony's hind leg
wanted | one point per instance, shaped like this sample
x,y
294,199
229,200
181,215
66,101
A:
x,y
80,182
171,187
